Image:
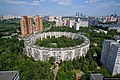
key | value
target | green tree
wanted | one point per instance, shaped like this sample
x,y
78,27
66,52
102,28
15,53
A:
x,y
85,68
51,60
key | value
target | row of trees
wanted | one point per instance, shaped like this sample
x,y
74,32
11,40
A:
x,y
59,42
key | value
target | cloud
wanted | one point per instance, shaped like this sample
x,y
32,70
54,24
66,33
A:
x,y
106,4
117,4
98,4
80,6
103,5
16,2
63,2
42,0
35,3
112,2
91,1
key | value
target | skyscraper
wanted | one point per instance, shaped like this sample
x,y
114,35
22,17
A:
x,y
51,18
59,21
38,23
72,22
118,20
110,57
24,26
30,25
27,27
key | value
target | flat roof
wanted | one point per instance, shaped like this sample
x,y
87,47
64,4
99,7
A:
x,y
29,43
97,76
117,37
110,40
8,75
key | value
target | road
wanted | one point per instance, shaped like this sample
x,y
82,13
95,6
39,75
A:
x,y
55,70
48,28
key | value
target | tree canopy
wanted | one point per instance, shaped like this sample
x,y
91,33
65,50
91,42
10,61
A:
x,y
59,42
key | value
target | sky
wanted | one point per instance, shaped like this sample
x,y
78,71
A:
x,y
59,7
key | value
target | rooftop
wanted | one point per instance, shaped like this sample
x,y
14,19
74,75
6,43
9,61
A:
x,y
8,75
117,37
97,76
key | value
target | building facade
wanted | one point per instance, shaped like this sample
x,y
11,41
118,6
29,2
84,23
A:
x,y
110,56
83,23
72,22
27,26
38,23
59,21
77,25
68,53
30,25
51,18
24,26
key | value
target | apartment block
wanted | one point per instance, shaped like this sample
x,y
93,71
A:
x,y
110,57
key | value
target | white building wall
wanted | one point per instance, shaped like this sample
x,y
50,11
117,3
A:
x,y
83,23
105,50
110,56
77,26
41,53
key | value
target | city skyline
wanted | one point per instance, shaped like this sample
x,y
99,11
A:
x,y
59,7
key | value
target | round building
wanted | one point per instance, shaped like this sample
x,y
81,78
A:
x,y
68,53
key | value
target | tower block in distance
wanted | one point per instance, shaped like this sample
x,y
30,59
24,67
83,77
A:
x,y
27,26
30,24
38,23
24,26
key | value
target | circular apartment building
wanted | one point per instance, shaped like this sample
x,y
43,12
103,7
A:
x,y
68,53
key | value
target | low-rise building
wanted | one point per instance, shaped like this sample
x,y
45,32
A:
x,y
100,30
115,28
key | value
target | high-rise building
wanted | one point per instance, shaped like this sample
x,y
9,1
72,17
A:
x,y
30,25
118,20
27,27
72,22
110,56
77,26
59,21
38,23
83,23
24,26
1,18
66,21
51,18
93,21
